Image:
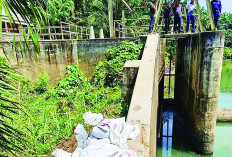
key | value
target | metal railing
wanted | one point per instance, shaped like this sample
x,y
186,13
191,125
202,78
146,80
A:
x,y
64,31
122,28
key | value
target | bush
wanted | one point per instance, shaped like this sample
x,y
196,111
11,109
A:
x,y
227,53
42,84
73,80
109,73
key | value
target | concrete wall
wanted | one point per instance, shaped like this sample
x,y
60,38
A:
x,y
141,82
87,50
198,74
54,56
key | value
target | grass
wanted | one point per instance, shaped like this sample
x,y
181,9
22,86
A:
x,y
49,114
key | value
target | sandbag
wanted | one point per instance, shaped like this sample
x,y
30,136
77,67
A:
x,y
101,150
119,135
61,153
108,138
92,118
129,153
94,140
81,135
77,152
102,130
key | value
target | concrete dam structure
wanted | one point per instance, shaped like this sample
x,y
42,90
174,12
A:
x,y
197,82
198,68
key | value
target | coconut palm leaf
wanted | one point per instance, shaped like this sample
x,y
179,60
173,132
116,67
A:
x,y
14,9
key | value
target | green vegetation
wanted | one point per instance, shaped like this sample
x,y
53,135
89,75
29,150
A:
x,y
225,23
226,85
91,13
48,115
109,73
227,53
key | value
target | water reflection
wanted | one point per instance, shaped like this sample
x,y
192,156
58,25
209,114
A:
x,y
167,133
175,141
225,98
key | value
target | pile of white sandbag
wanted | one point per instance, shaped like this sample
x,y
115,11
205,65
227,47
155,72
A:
x,y
108,138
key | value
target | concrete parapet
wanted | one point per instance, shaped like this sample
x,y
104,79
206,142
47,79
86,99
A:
x,y
198,74
144,101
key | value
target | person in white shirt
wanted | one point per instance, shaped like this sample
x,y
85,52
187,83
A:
x,y
191,9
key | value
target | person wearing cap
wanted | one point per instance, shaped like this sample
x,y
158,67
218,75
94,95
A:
x,y
153,9
167,17
177,11
191,9
217,10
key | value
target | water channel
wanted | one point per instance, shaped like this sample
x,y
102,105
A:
x,y
175,141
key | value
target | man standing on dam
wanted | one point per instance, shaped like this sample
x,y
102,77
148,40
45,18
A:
x,y
177,11
217,10
153,9
167,17
191,9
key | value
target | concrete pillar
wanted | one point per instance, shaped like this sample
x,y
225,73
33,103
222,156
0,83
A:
x,y
92,35
129,76
212,47
101,35
197,85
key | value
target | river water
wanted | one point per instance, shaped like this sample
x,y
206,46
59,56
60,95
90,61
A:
x,y
176,144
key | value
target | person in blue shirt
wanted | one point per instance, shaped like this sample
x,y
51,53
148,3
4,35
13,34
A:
x,y
217,9
167,17
177,11
153,9
191,9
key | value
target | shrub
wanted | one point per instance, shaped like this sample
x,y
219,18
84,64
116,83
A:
x,y
41,84
227,53
109,73
73,80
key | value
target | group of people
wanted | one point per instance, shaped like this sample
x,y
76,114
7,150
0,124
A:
x,y
177,10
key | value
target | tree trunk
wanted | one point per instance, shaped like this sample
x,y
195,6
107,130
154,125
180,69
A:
x,y
210,14
161,2
111,21
199,16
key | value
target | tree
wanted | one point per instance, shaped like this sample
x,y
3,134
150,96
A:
x,y
8,79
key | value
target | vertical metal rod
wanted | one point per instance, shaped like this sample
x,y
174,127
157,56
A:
x,y
81,32
76,32
86,33
70,31
61,30
167,127
170,66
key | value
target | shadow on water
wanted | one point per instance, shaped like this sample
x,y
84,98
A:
x,y
175,141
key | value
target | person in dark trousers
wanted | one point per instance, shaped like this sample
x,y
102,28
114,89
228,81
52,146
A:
x,y
217,10
167,17
153,9
177,11
191,9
